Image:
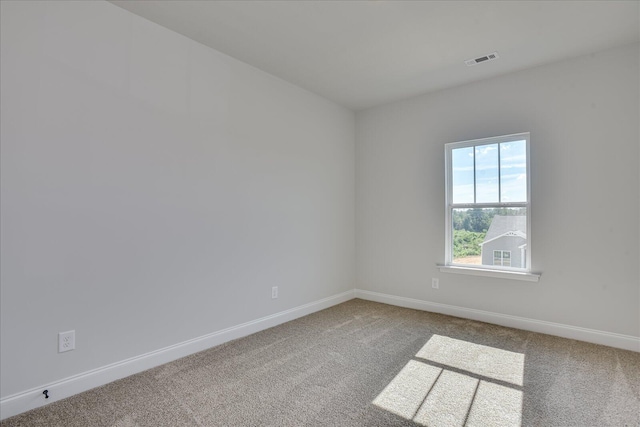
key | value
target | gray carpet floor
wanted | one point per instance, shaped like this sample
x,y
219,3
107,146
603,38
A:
x,y
362,363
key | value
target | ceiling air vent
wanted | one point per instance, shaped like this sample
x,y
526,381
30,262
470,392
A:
x,y
485,58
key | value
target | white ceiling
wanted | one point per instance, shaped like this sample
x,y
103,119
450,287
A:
x,y
364,53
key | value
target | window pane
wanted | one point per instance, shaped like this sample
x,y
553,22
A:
x,y
490,236
462,166
487,173
497,257
513,171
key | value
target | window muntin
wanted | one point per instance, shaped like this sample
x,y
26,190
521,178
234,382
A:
x,y
488,199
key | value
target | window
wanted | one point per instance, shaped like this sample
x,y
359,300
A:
x,y
502,258
488,204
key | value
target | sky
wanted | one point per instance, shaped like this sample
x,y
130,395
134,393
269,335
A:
x,y
511,175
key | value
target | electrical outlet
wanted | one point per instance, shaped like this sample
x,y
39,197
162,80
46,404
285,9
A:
x,y
274,292
435,283
66,341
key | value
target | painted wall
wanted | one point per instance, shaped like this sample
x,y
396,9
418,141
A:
x,y
154,190
583,117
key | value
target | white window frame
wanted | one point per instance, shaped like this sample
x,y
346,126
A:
x,y
486,270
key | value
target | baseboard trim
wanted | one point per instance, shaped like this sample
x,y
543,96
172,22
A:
x,y
31,399
58,390
625,342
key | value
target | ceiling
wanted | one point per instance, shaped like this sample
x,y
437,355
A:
x,y
364,53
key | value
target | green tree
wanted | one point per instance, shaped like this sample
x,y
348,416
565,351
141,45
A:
x,y
467,243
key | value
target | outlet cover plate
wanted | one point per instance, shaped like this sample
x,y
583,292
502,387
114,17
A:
x,y
66,341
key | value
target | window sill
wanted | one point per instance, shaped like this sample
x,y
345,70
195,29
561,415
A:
x,y
515,275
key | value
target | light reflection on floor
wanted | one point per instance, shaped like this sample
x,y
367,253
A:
x,y
485,389
478,359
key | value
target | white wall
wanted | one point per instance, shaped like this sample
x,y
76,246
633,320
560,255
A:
x,y
154,190
583,117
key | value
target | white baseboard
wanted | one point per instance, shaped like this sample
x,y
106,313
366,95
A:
x,y
31,399
625,342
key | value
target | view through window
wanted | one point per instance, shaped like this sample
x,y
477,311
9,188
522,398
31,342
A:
x,y
488,203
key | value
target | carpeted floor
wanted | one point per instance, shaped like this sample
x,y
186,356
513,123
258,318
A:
x,y
367,364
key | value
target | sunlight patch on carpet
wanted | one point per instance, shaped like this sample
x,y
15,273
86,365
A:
x,y
495,405
478,359
488,391
406,392
449,400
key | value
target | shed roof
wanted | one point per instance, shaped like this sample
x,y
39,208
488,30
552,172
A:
x,y
503,224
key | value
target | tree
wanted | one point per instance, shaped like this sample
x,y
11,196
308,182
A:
x,y
467,243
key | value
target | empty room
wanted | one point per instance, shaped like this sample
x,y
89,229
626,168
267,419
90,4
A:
x,y
319,213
